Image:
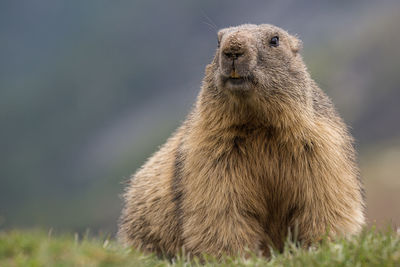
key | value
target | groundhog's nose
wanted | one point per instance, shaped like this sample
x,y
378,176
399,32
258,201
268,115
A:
x,y
237,56
232,54
234,46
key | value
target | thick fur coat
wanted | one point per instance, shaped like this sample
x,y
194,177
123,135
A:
x,y
262,153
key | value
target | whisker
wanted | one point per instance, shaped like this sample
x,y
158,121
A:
x,y
210,22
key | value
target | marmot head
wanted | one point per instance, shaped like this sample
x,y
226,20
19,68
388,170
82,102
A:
x,y
257,76
261,59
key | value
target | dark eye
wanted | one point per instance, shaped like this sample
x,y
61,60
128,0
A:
x,y
219,42
274,41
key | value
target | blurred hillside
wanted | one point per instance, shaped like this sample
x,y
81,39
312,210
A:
x,y
89,89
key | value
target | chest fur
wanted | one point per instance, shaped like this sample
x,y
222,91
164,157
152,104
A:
x,y
251,172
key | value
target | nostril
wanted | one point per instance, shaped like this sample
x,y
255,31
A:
x,y
239,54
228,54
234,55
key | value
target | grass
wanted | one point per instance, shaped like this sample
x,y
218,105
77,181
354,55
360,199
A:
x,y
37,248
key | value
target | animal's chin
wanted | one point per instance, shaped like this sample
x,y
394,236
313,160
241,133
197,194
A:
x,y
236,81
242,84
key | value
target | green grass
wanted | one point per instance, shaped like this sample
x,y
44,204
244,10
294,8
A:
x,y
37,248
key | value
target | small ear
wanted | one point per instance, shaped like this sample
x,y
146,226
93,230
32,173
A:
x,y
220,34
295,44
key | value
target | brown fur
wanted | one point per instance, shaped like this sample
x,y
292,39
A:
x,y
252,161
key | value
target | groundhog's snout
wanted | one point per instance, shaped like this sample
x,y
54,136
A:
x,y
237,58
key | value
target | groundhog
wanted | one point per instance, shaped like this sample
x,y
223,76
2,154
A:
x,y
262,155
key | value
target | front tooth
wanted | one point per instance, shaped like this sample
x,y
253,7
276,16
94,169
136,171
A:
x,y
234,74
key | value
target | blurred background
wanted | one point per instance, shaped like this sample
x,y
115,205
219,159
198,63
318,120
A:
x,y
90,89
